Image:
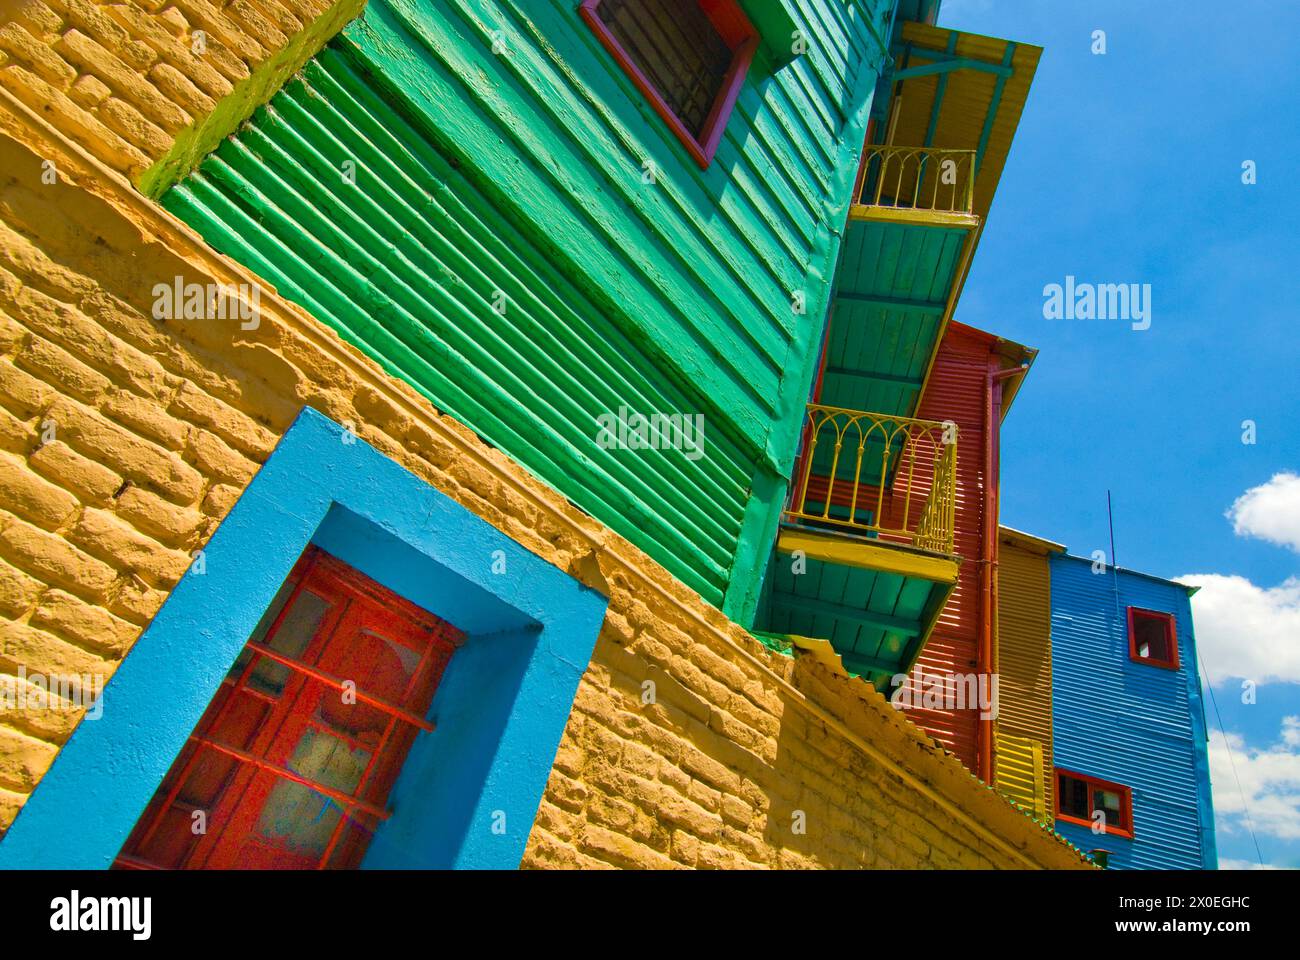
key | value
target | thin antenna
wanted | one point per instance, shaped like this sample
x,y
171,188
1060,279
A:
x,y
1114,567
1110,518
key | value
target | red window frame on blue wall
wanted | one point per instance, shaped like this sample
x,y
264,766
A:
x,y
1136,615
739,36
1123,829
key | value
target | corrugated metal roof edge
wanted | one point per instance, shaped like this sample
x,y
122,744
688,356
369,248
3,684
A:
x,y
824,653
1014,92
1032,542
1017,353
1190,588
1028,541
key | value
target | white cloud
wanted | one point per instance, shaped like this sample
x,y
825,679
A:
x,y
1245,631
1226,864
1270,784
1291,731
1270,511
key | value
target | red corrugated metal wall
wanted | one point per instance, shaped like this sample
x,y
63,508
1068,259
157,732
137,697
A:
x,y
956,392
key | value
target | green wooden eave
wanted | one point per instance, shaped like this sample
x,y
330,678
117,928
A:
x,y
893,292
876,603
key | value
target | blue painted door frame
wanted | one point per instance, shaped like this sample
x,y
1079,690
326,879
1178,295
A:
x,y
469,791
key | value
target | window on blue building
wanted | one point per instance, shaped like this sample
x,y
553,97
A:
x,y
1074,797
1086,801
1152,638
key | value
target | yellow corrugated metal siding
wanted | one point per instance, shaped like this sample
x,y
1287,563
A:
x,y
1024,676
1020,772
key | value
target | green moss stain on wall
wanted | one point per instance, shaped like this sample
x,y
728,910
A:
x,y
484,225
200,138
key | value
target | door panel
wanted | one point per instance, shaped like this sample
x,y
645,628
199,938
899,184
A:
x,y
291,764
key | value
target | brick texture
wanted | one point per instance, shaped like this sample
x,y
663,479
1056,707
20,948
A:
x,y
746,760
121,79
124,440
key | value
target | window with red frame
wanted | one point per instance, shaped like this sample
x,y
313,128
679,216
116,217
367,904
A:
x,y
1152,638
687,57
1079,799
291,765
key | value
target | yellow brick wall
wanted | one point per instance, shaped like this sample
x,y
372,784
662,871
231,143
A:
x,y
124,440
738,749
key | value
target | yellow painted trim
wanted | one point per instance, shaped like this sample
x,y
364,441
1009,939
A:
x,y
928,626
923,218
869,556
928,43
1021,773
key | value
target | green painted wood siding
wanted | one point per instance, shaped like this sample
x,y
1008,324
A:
x,y
501,250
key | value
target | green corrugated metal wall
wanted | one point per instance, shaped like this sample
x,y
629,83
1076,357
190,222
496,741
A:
x,y
520,173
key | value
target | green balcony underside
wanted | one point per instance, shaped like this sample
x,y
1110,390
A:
x,y
875,602
893,286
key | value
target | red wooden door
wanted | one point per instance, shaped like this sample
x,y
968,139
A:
x,y
292,762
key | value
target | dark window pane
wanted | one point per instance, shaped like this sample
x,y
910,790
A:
x,y
674,44
1074,796
1151,638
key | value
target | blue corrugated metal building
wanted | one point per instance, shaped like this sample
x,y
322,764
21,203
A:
x,y
1128,719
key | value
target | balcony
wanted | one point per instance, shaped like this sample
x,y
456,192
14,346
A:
x,y
907,248
864,557
864,560
943,120
923,185
950,89
882,477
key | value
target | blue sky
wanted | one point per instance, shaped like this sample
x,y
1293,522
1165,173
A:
x,y
1127,168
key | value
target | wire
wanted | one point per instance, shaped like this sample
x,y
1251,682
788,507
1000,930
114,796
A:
x,y
1250,826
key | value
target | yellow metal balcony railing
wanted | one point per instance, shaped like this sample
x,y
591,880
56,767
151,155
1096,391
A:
x,y
880,475
918,178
